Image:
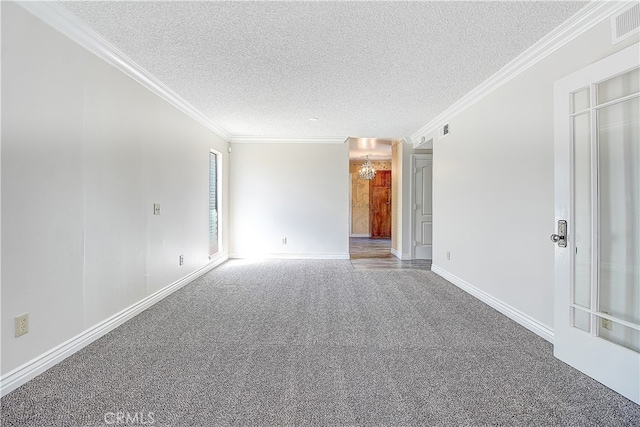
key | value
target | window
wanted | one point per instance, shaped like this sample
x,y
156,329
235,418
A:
x,y
214,214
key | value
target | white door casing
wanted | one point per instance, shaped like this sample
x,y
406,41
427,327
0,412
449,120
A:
x,y
422,208
584,331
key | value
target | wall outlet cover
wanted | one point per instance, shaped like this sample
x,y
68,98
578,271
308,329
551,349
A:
x,y
22,324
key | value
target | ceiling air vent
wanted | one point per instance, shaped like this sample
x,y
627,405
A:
x,y
625,23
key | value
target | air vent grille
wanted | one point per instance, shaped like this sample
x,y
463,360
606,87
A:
x,y
625,23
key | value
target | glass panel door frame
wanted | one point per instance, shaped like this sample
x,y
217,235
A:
x,y
591,304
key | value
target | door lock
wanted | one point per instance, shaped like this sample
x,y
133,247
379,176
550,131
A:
x,y
561,237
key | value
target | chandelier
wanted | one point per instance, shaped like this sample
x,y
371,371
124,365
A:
x,y
366,170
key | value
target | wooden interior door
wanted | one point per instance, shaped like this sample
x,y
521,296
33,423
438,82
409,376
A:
x,y
380,205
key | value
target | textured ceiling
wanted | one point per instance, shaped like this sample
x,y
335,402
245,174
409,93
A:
x,y
376,148
362,69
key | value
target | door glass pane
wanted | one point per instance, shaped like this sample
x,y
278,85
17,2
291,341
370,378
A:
x,y
619,334
581,320
582,206
619,210
580,100
617,87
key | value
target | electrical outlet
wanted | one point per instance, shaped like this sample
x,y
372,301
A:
x,y
448,256
606,324
284,240
22,324
181,259
156,208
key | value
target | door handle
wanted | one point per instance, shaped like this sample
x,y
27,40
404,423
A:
x,y
561,237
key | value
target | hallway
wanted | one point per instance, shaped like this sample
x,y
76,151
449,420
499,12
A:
x,y
375,254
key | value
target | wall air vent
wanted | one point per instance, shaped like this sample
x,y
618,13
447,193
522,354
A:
x,y
625,23
444,130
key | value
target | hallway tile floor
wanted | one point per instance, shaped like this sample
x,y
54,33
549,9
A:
x,y
375,254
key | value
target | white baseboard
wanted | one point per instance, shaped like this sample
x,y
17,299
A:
x,y
360,235
512,313
291,256
404,257
19,376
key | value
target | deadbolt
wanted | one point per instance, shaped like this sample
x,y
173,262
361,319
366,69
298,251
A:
x,y
561,237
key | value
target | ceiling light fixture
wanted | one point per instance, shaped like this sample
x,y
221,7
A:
x,y
314,119
366,170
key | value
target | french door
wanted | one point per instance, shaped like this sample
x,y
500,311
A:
x,y
597,215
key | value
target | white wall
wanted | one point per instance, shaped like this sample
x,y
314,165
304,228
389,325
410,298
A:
x,y
493,184
86,151
297,191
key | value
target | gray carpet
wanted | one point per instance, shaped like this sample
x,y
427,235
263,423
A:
x,y
316,343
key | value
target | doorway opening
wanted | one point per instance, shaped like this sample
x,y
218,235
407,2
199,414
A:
x,y
371,207
375,208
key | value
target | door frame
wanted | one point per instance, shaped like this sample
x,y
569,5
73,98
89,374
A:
x,y
412,201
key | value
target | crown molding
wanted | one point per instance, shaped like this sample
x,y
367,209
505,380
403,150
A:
x,y
585,19
60,18
289,140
